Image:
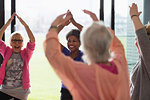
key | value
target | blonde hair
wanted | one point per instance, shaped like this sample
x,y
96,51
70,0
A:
x,y
96,42
15,33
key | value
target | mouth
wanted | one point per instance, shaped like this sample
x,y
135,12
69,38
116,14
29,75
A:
x,y
71,47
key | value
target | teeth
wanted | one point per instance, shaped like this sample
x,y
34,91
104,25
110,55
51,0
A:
x,y
17,46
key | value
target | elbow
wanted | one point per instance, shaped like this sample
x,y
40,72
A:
x,y
32,40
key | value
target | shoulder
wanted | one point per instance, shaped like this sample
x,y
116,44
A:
x,y
65,51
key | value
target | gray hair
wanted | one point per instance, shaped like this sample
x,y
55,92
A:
x,y
96,40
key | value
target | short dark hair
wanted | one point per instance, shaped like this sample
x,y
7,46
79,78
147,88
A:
x,y
74,32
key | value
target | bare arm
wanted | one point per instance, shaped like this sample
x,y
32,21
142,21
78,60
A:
x,y
29,32
79,26
5,26
57,26
135,16
67,22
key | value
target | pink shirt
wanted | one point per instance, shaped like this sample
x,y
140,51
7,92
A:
x,y
90,82
26,54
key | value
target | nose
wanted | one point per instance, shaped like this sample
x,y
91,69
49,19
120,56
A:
x,y
70,43
17,42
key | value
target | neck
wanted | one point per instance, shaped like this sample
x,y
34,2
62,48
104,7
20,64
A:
x,y
74,54
105,63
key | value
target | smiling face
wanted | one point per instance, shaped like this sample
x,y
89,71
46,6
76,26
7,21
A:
x,y
73,43
16,42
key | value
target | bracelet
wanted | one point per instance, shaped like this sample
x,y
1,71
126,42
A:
x,y
55,27
133,16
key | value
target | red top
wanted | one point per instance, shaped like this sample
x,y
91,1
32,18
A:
x,y
111,68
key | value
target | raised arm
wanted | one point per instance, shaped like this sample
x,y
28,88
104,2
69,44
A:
x,y
6,25
71,20
142,37
135,16
79,26
116,46
65,23
29,32
53,30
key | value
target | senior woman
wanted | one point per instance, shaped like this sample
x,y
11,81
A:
x,y
105,77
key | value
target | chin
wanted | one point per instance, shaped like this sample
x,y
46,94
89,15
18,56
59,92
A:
x,y
16,51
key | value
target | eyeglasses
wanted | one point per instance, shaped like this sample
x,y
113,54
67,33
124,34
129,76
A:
x,y
17,40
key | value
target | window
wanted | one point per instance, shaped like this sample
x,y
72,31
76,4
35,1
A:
x,y
39,14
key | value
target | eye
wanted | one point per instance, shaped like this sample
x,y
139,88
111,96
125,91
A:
x,y
74,41
17,40
69,40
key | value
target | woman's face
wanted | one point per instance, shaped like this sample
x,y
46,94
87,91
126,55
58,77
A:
x,y
73,43
16,43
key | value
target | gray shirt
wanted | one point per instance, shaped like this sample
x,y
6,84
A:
x,y
12,84
140,76
13,74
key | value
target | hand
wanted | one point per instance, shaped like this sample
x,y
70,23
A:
x,y
12,17
67,21
70,14
21,20
60,20
92,15
134,10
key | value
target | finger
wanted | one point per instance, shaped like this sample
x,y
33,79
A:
x,y
86,12
130,7
139,13
68,18
68,10
14,14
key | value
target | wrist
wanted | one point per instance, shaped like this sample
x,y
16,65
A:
x,y
53,28
134,16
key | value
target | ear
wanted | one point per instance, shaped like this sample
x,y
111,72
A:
x,y
80,43
22,45
10,44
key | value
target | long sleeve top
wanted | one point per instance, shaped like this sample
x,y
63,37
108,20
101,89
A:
x,y
78,58
26,54
140,76
89,82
